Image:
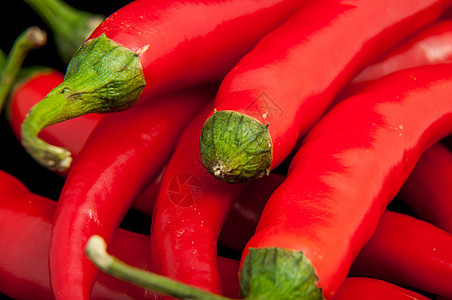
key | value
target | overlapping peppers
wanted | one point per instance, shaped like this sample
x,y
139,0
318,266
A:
x,y
186,234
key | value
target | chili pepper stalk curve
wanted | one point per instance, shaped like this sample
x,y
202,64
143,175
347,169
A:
x,y
150,47
32,38
25,224
70,27
96,251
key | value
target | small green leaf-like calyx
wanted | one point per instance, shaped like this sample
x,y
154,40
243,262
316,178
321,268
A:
x,y
101,77
235,147
104,76
276,273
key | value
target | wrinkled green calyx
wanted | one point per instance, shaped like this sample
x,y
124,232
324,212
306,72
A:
x,y
101,77
276,273
235,147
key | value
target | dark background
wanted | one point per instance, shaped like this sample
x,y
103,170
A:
x,y
16,17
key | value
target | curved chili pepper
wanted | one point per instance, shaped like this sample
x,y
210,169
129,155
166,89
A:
x,y
428,190
349,167
25,225
285,84
153,44
188,215
362,288
123,154
70,26
408,252
71,134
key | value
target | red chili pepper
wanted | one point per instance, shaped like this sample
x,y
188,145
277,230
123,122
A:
x,y
188,215
354,288
154,44
428,190
431,45
349,167
123,154
25,225
285,84
408,252
71,135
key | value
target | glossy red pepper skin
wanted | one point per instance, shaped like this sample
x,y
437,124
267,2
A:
x,y
299,56
408,252
188,215
124,153
351,165
177,50
431,45
362,288
26,221
71,134
428,190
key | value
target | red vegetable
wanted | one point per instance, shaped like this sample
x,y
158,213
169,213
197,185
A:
x,y
285,84
431,45
408,252
124,153
373,289
189,212
25,224
350,165
154,44
71,134
428,190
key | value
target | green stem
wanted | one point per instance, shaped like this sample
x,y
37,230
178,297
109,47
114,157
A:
x,y
70,26
96,252
101,77
30,39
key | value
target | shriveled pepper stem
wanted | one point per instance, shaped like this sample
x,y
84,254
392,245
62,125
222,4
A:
x,y
31,38
96,252
43,114
71,27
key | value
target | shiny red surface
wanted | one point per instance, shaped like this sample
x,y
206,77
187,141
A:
x,y
24,260
428,190
408,252
431,45
362,288
292,75
351,165
189,212
186,42
124,154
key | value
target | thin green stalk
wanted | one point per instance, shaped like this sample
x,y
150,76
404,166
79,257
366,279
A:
x,y
30,39
71,27
96,252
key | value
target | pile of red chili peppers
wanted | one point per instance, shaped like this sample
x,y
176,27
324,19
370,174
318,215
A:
x,y
227,149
